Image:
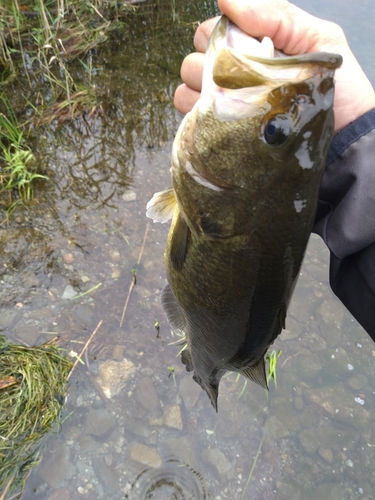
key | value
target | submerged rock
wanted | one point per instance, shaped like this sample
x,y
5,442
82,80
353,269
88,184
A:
x,y
172,417
275,428
69,292
58,467
99,422
339,404
113,376
221,464
146,395
145,455
108,478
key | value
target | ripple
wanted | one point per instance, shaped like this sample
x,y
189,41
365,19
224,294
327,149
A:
x,y
174,480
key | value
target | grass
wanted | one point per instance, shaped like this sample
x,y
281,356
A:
x,y
17,163
32,395
39,40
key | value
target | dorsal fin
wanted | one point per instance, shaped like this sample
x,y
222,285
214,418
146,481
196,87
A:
x,y
172,310
161,206
179,241
257,374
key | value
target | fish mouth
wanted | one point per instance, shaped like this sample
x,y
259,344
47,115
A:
x,y
243,61
240,71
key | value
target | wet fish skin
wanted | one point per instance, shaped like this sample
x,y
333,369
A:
x,y
245,174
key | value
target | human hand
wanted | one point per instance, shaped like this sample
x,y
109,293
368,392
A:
x,y
292,31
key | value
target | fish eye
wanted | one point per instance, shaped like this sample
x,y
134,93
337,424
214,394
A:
x,y
277,130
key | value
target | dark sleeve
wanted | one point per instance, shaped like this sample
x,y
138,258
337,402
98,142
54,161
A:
x,y
346,218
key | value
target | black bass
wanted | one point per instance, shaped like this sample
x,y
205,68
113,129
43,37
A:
x,y
247,162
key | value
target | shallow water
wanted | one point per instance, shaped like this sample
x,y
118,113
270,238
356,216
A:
x,y
137,426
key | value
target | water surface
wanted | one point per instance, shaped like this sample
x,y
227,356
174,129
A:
x,y
137,426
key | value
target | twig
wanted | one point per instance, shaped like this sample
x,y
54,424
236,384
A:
x,y
87,291
132,283
290,357
6,488
252,468
84,348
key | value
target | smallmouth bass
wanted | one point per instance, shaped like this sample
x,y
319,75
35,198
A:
x,y
247,162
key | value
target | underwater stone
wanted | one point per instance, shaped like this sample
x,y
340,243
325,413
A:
x,y
108,478
146,395
113,376
221,464
57,467
172,417
99,422
339,404
275,428
326,454
287,490
69,292
145,455
307,438
129,196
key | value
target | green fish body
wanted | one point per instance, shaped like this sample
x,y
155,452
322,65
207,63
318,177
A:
x,y
247,162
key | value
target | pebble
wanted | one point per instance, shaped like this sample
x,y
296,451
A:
x,y
57,468
115,255
326,454
145,455
129,196
146,394
172,417
108,478
221,464
113,376
116,273
307,438
68,258
336,397
287,490
69,292
7,317
99,422
275,428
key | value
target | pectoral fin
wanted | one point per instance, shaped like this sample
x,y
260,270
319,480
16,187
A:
x,y
161,206
179,242
257,374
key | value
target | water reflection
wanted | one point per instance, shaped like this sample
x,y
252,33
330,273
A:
x,y
314,433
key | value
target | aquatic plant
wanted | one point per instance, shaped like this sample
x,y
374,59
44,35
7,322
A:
x,y
32,395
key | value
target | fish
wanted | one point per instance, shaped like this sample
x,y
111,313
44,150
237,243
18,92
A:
x,y
247,163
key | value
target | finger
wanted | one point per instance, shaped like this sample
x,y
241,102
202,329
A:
x,y
192,70
185,98
203,34
291,29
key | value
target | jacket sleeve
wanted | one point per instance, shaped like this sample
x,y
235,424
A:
x,y
346,218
